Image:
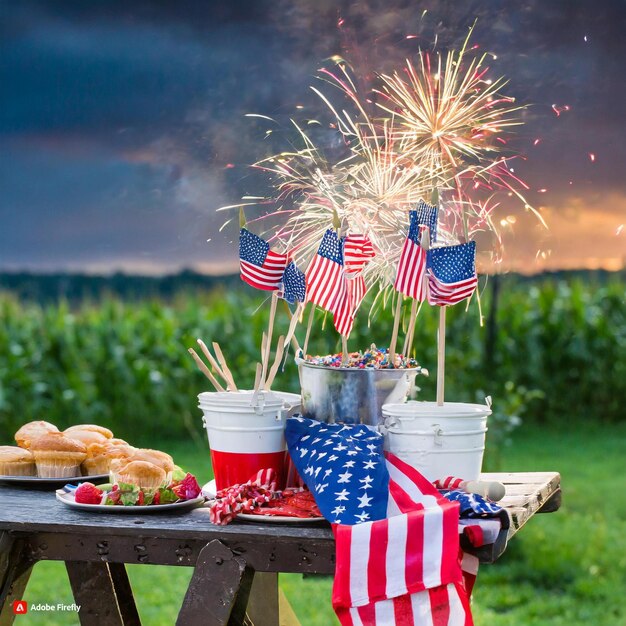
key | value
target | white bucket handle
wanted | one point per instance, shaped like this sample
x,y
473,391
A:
x,y
390,421
439,434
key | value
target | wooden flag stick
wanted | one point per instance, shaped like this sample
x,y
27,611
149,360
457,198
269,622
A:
x,y
295,317
257,378
308,330
441,355
263,350
280,348
205,370
268,344
211,360
344,350
222,361
396,325
408,343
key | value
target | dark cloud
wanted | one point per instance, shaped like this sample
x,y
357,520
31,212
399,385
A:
x,y
120,121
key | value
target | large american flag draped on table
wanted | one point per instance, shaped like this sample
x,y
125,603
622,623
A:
x,y
412,265
396,538
451,273
357,252
324,277
260,267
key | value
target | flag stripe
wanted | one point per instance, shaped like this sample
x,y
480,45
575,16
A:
x,y
403,611
420,604
439,605
343,541
396,553
381,536
450,549
359,557
414,557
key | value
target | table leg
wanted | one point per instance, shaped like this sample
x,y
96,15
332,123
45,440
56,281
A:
x,y
263,602
124,593
15,571
212,596
103,593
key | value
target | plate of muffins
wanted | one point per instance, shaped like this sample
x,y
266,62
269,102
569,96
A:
x,y
45,456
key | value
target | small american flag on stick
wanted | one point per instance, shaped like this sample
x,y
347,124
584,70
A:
x,y
260,267
324,277
412,265
357,252
451,273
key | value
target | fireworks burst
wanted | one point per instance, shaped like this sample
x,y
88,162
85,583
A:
x,y
439,125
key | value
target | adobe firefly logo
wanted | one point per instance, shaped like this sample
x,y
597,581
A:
x,y
20,607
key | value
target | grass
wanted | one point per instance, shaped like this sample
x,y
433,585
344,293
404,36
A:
x,y
566,568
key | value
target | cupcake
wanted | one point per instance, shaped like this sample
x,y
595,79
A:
x,y
101,454
156,457
120,442
58,456
86,436
16,461
141,473
25,435
91,427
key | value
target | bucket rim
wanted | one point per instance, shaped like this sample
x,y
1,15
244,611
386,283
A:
x,y
387,370
417,409
243,397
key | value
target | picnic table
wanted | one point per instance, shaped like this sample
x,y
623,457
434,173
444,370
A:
x,y
235,567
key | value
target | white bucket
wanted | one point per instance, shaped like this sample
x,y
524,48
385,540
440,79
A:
x,y
246,432
438,441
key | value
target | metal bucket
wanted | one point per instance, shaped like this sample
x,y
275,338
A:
x,y
438,441
350,395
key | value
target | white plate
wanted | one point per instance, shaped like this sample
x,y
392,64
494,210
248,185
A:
x,y
68,499
279,519
210,489
50,482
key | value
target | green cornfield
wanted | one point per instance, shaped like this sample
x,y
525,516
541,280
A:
x,y
551,349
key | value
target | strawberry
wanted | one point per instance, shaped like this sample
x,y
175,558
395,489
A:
x,y
88,493
157,498
141,498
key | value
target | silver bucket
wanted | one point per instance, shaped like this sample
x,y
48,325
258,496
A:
x,y
350,395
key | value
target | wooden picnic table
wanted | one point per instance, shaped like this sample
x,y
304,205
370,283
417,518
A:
x,y
235,567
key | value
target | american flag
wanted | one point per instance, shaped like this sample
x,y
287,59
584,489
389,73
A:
x,y
294,284
325,282
357,252
427,216
412,265
260,267
396,538
451,273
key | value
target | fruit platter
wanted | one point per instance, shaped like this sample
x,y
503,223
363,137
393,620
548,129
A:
x,y
182,492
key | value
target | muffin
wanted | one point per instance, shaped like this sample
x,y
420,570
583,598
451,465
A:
x,y
58,456
156,457
116,441
91,427
86,436
145,475
25,435
101,454
16,461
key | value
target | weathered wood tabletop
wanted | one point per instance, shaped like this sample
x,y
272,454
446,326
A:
x,y
236,566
